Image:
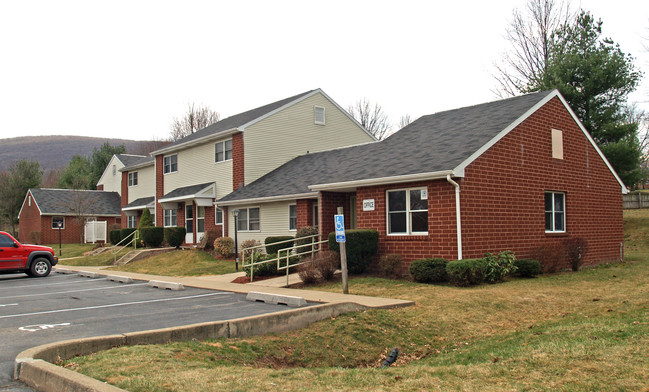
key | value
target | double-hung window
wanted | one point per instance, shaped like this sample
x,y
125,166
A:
x,y
132,179
555,212
223,151
170,164
292,217
131,221
58,221
218,216
170,218
248,219
408,211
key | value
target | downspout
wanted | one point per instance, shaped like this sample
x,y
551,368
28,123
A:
x,y
457,215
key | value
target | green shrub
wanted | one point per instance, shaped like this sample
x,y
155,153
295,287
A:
x,y
224,246
429,270
115,236
269,241
390,265
361,245
152,236
466,272
497,267
527,268
123,233
174,236
270,268
305,231
245,252
146,220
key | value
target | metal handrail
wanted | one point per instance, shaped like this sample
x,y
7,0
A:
x,y
315,247
136,238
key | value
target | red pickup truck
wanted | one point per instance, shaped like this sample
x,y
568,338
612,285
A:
x,y
34,260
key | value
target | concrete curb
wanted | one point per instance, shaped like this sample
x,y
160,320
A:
x,y
35,366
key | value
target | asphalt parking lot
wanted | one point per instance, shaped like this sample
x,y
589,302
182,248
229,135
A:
x,y
60,307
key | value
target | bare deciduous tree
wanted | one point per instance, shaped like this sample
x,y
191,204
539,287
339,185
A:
x,y
531,35
371,118
404,121
194,120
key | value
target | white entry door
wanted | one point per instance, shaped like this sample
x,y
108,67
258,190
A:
x,y
189,223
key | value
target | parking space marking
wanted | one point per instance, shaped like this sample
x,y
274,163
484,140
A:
x,y
3,305
40,327
48,284
72,291
113,305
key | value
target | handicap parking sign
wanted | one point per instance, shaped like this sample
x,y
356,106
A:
x,y
339,221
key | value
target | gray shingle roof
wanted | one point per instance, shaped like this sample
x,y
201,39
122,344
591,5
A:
x,y
135,161
129,159
63,201
142,202
432,143
186,190
235,121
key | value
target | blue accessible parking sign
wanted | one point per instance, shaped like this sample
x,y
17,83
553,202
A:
x,y
340,228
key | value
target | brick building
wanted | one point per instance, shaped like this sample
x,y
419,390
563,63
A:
x,y
43,210
515,174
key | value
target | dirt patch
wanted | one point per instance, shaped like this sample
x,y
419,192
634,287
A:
x,y
246,279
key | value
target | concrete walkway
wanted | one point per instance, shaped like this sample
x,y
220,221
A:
x,y
269,286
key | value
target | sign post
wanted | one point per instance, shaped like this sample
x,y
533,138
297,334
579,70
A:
x,y
339,221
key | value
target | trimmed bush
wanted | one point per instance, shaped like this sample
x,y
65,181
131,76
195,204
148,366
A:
x,y
466,272
527,268
146,220
308,272
115,236
497,267
268,269
245,254
361,245
390,265
123,233
175,236
270,248
152,236
429,270
224,246
319,267
305,231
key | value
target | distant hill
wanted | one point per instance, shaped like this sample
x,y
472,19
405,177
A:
x,y
54,152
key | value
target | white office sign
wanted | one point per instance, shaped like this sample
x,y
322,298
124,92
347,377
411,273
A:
x,y
368,205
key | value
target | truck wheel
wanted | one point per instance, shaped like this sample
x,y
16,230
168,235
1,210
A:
x,y
41,267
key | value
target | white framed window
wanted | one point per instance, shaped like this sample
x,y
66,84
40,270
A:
x,y
170,218
58,220
218,216
292,217
407,211
319,115
131,221
114,169
170,164
200,219
555,212
132,178
223,151
248,219
316,218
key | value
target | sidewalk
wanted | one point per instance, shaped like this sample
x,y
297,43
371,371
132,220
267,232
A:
x,y
269,286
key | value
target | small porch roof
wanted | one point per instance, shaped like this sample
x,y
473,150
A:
x,y
201,194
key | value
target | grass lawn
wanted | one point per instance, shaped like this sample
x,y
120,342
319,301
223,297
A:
x,y
71,250
568,332
180,263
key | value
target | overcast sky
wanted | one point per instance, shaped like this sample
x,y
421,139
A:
x,y
125,69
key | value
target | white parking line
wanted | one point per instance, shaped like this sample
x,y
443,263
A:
x,y
73,291
3,305
113,305
48,284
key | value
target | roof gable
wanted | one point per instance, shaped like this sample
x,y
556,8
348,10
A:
x,y
122,159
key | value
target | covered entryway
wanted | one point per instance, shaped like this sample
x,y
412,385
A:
x,y
192,200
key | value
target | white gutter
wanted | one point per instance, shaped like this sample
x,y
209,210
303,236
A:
x,y
457,215
381,180
267,199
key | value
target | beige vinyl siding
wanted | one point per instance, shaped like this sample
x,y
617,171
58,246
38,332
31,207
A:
x,y
196,166
273,221
292,132
145,184
112,182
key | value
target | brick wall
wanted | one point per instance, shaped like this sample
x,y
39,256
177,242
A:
x,y
159,189
124,197
30,220
72,231
238,173
330,201
502,198
304,213
100,187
